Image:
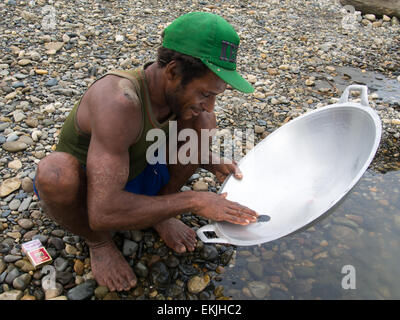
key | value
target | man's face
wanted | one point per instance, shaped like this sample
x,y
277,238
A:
x,y
195,97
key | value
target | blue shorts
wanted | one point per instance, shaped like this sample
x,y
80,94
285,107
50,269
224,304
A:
x,y
149,182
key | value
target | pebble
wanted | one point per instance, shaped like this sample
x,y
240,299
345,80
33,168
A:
x,y
54,292
259,289
79,267
82,291
209,253
60,264
100,292
129,247
27,185
159,275
14,146
197,284
14,204
22,281
200,186
24,265
24,206
11,276
11,295
9,185
15,164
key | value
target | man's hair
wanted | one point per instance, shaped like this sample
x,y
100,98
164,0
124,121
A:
x,y
188,67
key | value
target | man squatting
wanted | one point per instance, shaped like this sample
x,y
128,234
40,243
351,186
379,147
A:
x,y
99,181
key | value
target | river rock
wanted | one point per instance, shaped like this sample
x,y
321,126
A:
x,y
53,47
209,253
25,223
259,289
14,146
129,247
14,204
24,265
82,291
79,267
256,268
378,7
100,292
200,186
8,186
15,164
343,233
159,275
197,284
27,184
11,276
24,206
54,292
11,295
22,281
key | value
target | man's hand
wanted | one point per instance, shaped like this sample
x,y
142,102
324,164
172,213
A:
x,y
216,207
222,168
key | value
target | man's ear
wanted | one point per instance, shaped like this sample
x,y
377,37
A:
x,y
171,71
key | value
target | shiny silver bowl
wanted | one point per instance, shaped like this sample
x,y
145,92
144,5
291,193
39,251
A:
x,y
301,170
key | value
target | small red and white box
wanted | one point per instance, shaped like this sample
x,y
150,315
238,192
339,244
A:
x,y
36,253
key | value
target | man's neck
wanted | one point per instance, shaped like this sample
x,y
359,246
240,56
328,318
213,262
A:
x,y
155,84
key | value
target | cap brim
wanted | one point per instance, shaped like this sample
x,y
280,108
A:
x,y
231,77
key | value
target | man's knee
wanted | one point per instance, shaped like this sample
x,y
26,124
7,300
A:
x,y
58,175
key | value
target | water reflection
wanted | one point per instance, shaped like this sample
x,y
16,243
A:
x,y
363,232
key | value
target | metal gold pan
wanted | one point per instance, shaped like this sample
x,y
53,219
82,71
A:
x,y
301,170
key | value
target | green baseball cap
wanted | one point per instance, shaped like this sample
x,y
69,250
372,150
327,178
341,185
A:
x,y
211,39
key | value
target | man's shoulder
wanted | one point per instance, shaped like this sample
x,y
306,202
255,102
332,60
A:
x,y
114,92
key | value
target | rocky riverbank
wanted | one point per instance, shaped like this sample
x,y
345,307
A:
x,y
290,50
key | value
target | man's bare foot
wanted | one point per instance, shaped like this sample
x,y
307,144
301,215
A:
x,y
176,235
110,268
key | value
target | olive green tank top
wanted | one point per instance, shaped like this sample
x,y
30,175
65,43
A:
x,y
75,142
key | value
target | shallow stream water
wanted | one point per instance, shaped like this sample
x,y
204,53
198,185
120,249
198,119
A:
x,y
353,253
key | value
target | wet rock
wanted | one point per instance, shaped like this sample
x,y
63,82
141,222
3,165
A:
x,y
304,272
256,268
197,284
159,275
209,253
259,289
129,247
226,256
100,292
141,270
300,287
172,261
343,233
